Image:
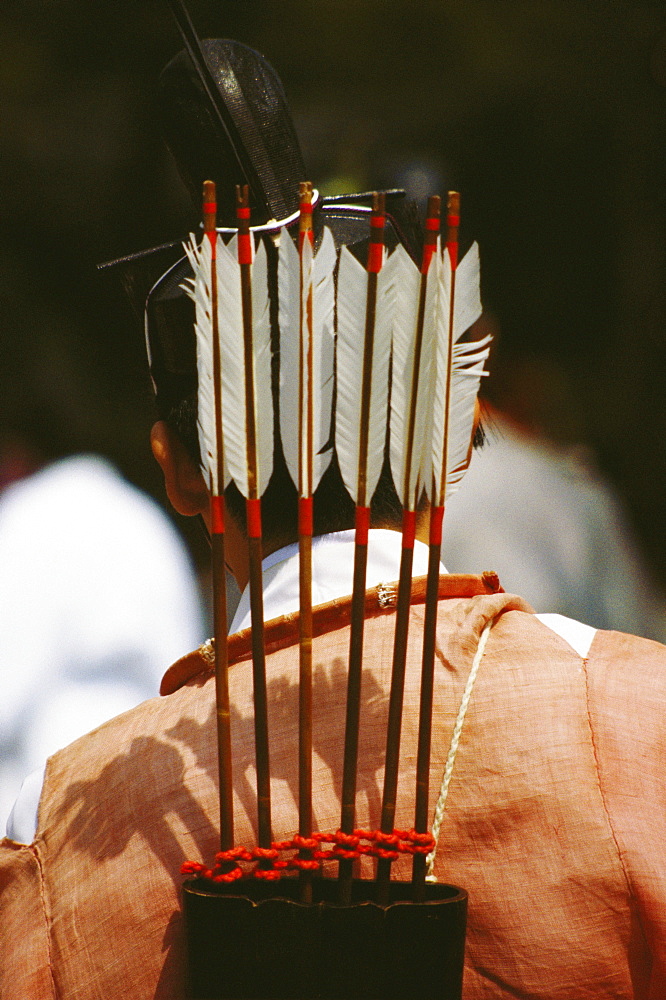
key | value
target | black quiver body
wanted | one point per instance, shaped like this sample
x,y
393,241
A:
x,y
257,941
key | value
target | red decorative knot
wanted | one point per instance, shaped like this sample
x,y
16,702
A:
x,y
308,853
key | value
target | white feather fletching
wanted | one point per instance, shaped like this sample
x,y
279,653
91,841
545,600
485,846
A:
x,y
320,270
230,321
289,318
467,368
199,289
323,305
406,281
352,298
467,306
261,334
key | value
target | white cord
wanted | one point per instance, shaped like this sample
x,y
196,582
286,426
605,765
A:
x,y
453,749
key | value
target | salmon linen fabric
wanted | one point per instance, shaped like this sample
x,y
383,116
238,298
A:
x,y
555,821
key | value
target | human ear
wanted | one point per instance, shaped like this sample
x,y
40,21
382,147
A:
x,y
184,483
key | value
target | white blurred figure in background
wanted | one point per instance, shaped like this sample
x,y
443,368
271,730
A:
x,y
97,594
539,513
543,517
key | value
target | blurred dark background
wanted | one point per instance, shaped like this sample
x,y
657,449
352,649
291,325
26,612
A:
x,y
550,118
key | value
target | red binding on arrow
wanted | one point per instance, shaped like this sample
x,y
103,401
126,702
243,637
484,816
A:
x,y
362,525
217,515
305,515
253,511
436,522
408,529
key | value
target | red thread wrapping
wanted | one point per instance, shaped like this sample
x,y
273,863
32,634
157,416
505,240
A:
x,y
428,251
242,213
253,512
436,520
212,239
375,257
362,525
452,247
271,864
432,223
305,518
453,221
244,248
305,843
305,207
408,529
217,515
302,236
209,207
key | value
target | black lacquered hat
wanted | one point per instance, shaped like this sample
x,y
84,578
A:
x,y
224,117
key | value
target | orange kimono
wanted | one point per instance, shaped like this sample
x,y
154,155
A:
x,y
555,820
